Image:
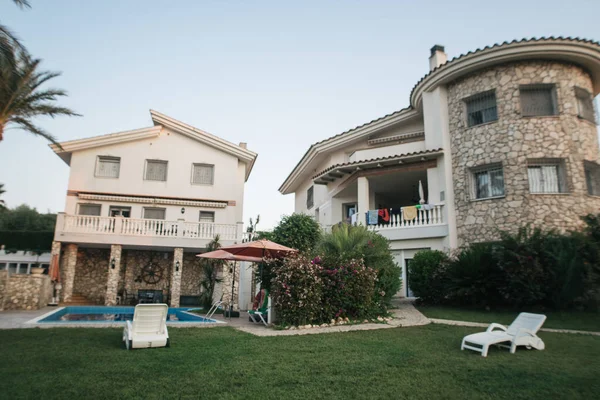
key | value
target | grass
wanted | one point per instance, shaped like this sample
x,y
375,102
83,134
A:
x,y
577,320
416,363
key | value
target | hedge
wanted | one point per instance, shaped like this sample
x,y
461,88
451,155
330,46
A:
x,y
27,240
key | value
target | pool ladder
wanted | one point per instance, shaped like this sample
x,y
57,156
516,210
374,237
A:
x,y
213,309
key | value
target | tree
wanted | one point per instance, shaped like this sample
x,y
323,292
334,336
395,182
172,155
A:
x,y
298,231
25,218
210,272
21,96
2,203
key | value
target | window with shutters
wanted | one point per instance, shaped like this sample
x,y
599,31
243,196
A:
x,y
202,174
207,216
154,213
481,108
487,181
546,176
538,100
108,167
310,202
89,209
592,177
585,104
156,170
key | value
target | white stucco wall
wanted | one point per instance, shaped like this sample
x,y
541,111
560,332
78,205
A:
x,y
181,153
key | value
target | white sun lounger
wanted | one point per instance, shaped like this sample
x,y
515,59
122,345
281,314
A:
x,y
522,332
149,327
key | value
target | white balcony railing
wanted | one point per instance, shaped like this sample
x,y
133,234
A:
x,y
148,227
425,217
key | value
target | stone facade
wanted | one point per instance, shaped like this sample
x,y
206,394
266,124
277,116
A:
x,y
24,292
134,264
191,276
176,272
112,278
90,274
225,285
68,264
511,141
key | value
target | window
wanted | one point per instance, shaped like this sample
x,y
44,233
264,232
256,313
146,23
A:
x,y
154,213
156,170
481,108
538,100
3,266
546,176
310,202
488,181
108,167
207,216
90,209
117,211
585,104
592,177
12,268
202,174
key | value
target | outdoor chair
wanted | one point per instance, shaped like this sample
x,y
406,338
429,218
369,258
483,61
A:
x,y
258,316
522,332
148,328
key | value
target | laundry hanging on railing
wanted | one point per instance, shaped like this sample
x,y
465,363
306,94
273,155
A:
x,y
410,213
383,216
372,217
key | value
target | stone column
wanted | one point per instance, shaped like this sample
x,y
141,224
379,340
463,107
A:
x,y
69,271
112,280
176,276
362,199
230,298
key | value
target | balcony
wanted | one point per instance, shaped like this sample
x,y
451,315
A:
x,y
142,232
428,223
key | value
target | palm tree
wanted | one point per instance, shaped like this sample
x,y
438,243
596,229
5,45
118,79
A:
x,y
22,99
21,96
210,272
344,242
2,203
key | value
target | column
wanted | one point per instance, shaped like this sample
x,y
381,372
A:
x,y
176,276
69,271
362,199
114,273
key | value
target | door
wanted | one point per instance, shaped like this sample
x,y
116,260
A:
x,y
349,211
409,292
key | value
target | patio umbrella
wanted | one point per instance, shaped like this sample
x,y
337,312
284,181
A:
x,y
224,255
421,193
260,248
54,272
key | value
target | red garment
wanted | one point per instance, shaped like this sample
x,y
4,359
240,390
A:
x,y
384,213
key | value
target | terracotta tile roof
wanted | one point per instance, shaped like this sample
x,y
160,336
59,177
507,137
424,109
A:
x,y
372,160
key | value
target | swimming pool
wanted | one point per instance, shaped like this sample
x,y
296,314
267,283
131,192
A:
x,y
101,314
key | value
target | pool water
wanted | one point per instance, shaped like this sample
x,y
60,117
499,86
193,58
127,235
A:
x,y
116,314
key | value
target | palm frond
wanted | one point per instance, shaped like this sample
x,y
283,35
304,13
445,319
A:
x,y
22,3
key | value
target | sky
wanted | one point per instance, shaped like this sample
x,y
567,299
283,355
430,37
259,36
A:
x,y
279,75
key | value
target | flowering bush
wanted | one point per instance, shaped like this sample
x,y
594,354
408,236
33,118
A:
x,y
296,290
349,291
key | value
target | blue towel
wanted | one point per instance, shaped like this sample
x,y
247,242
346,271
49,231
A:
x,y
372,217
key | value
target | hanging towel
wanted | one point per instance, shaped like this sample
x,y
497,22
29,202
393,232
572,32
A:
x,y
410,213
384,216
372,216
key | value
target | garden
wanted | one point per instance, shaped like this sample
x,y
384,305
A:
x,y
531,270
345,276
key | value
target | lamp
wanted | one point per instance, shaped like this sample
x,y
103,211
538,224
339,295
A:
x,y
183,210
112,263
176,266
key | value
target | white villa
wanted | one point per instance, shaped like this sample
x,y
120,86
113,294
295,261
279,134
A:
x,y
140,205
497,138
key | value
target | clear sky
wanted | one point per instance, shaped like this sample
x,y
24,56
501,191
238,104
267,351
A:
x,y
279,75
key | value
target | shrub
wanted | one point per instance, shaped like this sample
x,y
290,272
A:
x,y
428,274
296,290
298,231
349,291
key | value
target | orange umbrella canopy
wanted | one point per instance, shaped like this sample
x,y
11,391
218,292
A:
x,y
54,269
224,255
260,248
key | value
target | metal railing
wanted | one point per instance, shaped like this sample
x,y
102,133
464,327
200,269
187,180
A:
x,y
425,216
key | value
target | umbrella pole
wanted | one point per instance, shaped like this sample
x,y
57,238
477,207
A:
x,y
232,289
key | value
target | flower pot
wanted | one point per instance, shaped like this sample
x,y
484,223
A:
x,y
37,271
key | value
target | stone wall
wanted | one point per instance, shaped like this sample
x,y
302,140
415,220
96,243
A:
x,y
91,273
192,275
225,286
135,260
24,292
514,139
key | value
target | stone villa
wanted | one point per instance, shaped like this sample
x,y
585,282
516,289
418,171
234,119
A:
x,y
492,139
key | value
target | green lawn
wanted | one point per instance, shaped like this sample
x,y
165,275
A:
x,y
578,320
413,363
